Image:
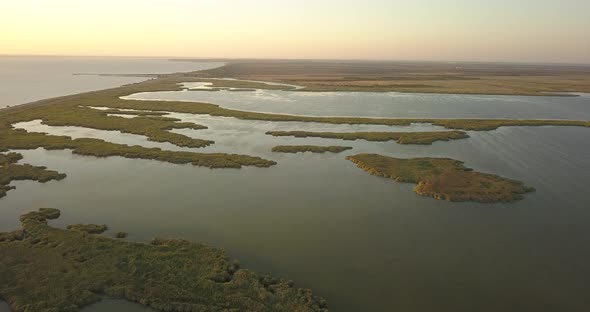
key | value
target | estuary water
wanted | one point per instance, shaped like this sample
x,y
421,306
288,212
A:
x,y
364,243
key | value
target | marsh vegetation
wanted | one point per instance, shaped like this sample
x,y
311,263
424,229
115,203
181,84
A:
x,y
443,178
50,269
309,148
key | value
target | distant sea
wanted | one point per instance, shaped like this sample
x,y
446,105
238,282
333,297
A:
x,y
24,79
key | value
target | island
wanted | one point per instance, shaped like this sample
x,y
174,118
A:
x,y
443,178
399,137
76,267
309,148
11,171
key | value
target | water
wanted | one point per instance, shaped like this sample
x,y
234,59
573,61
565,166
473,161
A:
x,y
390,104
364,243
25,79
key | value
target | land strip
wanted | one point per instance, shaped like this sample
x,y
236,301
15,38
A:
x,y
309,148
399,137
414,77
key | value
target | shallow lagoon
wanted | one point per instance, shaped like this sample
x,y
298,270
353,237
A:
x,y
363,242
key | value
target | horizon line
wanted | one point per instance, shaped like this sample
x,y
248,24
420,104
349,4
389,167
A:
x,y
213,59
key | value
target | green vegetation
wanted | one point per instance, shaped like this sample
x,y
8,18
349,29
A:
x,y
443,178
309,148
399,137
121,235
11,171
50,269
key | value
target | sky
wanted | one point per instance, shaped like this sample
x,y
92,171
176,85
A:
x,y
440,30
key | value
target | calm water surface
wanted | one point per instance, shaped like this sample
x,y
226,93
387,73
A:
x,y
364,243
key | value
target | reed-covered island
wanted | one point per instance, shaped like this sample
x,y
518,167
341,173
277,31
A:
x,y
50,269
443,178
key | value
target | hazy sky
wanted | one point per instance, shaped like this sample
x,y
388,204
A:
x,y
483,30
